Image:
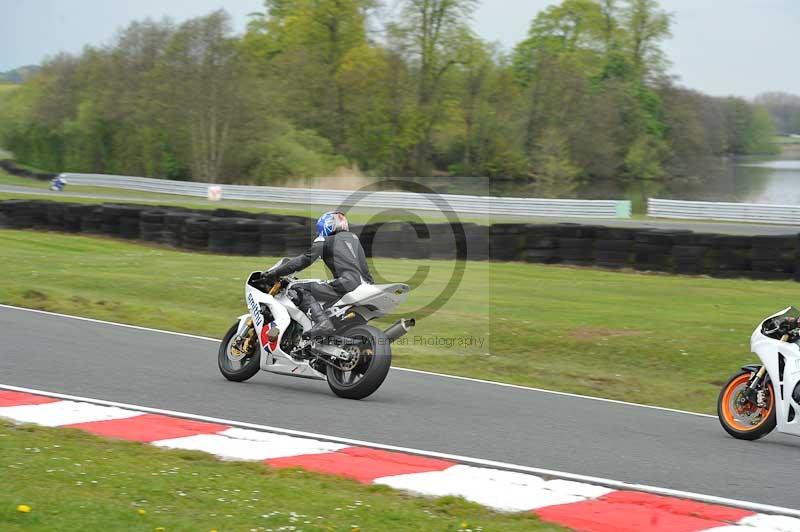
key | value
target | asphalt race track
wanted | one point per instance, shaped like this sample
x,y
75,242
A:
x,y
519,426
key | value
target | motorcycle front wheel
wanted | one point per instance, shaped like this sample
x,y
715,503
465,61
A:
x,y
741,418
236,368
366,369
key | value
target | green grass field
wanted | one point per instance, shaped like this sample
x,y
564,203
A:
x,y
653,339
8,179
74,481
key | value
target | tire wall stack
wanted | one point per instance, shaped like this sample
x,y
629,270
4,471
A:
x,y
270,235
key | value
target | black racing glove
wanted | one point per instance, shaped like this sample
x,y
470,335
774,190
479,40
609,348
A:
x,y
270,278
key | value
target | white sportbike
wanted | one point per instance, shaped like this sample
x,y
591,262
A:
x,y
760,397
354,359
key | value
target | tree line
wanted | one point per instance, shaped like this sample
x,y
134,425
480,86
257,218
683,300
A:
x,y
784,109
316,85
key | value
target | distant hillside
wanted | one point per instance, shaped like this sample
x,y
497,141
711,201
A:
x,y
19,75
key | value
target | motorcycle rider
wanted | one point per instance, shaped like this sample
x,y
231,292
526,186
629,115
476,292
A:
x,y
345,258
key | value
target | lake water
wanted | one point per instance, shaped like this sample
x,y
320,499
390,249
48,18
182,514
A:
x,y
774,179
776,182
741,180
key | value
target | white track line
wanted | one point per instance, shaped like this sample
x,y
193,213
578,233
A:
x,y
103,322
616,484
408,370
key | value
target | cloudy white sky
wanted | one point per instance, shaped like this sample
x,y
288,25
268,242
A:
x,y
741,47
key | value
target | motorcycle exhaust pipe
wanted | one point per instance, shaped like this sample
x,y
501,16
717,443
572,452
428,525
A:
x,y
399,328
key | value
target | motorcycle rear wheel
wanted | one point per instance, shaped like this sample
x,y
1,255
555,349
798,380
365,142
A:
x,y
374,358
232,369
734,417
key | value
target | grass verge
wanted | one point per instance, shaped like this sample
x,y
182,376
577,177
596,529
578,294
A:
x,y
19,181
74,481
654,339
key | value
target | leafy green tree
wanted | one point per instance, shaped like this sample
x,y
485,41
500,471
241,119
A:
x,y
555,174
435,35
784,109
645,26
86,142
203,93
301,45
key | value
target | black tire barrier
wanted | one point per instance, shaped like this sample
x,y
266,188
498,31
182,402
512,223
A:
x,y
477,238
387,240
689,259
230,213
577,231
406,240
773,257
505,241
54,213
18,214
365,234
615,233
654,237
727,263
39,214
447,242
614,254
72,217
297,220
247,240
194,234
729,256
221,234
652,249
92,220
174,223
265,234
298,237
152,225
541,244
272,239
651,257
123,220
111,220
576,251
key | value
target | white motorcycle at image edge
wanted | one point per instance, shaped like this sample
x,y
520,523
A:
x,y
354,359
760,397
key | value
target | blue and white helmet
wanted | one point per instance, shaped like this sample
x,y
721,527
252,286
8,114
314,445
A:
x,y
331,223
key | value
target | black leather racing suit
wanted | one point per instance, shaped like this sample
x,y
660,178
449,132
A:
x,y
343,255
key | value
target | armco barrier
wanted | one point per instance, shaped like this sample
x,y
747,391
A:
x,y
270,235
733,212
483,205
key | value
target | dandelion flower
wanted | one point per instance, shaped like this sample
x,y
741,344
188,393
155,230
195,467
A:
x,y
141,511
24,508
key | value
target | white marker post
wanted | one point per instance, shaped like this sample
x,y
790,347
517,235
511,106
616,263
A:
x,y
214,193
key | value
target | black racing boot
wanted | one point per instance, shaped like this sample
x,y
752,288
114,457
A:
x,y
321,325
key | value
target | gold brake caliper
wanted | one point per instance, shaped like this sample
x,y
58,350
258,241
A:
x,y
247,341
